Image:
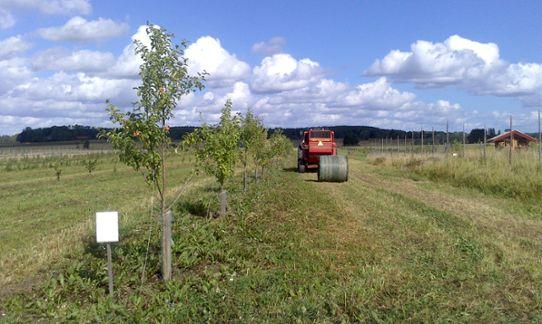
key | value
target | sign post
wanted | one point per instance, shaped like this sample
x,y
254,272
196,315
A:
x,y
107,231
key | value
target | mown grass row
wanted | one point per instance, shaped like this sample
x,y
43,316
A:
x,y
292,249
42,218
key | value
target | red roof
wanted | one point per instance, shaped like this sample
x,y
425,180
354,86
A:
x,y
515,134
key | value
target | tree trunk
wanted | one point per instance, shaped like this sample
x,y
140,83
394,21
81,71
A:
x,y
166,224
223,202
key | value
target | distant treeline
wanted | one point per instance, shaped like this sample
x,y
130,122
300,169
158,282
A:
x,y
351,135
78,133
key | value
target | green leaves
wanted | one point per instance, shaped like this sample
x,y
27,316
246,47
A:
x,y
143,132
215,147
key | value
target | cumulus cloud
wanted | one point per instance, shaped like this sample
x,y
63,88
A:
x,y
207,54
377,95
7,20
50,7
54,7
61,59
282,72
283,90
81,30
474,66
77,87
12,45
12,72
272,46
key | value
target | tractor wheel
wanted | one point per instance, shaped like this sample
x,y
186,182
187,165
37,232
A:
x,y
300,167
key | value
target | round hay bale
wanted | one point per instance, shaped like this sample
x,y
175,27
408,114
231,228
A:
x,y
333,168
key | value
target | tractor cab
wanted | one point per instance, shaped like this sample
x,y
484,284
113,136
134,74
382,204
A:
x,y
319,142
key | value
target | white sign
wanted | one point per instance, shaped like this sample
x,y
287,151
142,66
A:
x,y
107,227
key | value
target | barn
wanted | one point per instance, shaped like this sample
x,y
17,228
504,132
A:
x,y
517,138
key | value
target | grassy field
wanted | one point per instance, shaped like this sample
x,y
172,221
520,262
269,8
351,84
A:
x,y
394,243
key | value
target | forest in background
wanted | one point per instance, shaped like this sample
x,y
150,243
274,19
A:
x,y
351,135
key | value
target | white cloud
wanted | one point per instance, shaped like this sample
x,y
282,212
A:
x,y
80,29
12,72
7,20
78,87
207,54
60,59
474,66
49,7
283,90
12,45
282,72
272,46
377,95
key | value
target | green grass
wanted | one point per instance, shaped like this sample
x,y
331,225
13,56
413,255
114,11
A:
x,y
380,247
42,217
520,180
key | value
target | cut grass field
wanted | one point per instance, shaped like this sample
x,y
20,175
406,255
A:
x,y
384,246
41,218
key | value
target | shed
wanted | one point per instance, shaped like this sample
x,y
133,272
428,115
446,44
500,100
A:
x,y
517,138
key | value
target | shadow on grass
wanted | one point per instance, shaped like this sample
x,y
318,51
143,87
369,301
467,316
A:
x,y
92,247
292,169
195,208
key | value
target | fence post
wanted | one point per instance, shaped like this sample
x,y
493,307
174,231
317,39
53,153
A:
x,y
433,137
406,143
511,143
447,138
463,139
421,135
412,144
539,143
485,142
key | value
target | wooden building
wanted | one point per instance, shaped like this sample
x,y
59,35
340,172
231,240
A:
x,y
517,138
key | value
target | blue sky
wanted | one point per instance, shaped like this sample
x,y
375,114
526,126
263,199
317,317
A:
x,y
296,63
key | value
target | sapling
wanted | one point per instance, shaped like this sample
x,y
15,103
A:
x,y
58,170
142,139
215,148
253,133
90,164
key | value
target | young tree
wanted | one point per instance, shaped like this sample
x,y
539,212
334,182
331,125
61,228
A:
x,y
58,170
216,148
252,133
143,136
281,145
272,149
90,164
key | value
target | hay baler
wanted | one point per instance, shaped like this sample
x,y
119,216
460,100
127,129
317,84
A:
x,y
318,151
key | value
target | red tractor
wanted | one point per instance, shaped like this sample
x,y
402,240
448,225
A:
x,y
318,151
